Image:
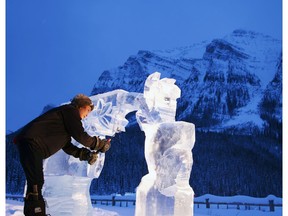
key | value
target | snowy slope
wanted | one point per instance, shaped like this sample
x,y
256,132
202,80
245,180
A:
x,y
263,50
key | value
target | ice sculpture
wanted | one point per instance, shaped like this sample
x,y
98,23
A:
x,y
165,189
67,180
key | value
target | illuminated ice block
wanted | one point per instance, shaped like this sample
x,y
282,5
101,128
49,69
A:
x,y
165,190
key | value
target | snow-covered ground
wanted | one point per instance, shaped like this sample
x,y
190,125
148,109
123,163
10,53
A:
x,y
14,208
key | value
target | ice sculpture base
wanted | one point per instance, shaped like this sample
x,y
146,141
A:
x,y
157,204
68,195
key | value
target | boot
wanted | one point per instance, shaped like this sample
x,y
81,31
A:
x,y
33,206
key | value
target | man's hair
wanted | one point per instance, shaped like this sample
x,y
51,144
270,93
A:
x,y
81,100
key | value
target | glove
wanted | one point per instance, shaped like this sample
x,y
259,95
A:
x,y
87,155
102,145
105,145
93,158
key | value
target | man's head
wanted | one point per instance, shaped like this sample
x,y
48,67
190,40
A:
x,y
83,104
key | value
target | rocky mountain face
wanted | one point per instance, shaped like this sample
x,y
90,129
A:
x,y
226,83
271,104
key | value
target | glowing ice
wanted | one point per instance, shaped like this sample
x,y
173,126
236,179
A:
x,y
67,180
165,189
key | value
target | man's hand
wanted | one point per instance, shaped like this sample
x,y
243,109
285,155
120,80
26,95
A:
x,y
93,158
87,155
102,145
105,145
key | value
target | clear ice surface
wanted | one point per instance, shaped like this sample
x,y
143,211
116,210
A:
x,y
165,190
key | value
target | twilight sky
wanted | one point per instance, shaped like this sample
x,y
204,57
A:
x,y
57,49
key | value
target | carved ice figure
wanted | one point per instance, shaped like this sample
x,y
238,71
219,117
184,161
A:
x,y
165,190
67,180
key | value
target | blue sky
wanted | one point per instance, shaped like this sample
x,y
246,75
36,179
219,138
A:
x,y
56,49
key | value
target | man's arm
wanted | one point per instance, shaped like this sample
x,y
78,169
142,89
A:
x,y
81,153
71,149
73,125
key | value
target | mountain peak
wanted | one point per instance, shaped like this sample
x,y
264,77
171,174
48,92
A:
x,y
223,50
242,32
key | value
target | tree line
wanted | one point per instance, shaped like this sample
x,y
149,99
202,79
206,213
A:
x,y
224,165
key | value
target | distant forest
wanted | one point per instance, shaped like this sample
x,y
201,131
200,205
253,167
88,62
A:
x,y
224,165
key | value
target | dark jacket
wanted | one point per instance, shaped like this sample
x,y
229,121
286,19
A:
x,y
53,130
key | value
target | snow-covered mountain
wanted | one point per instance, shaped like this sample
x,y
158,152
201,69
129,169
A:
x,y
231,85
226,83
